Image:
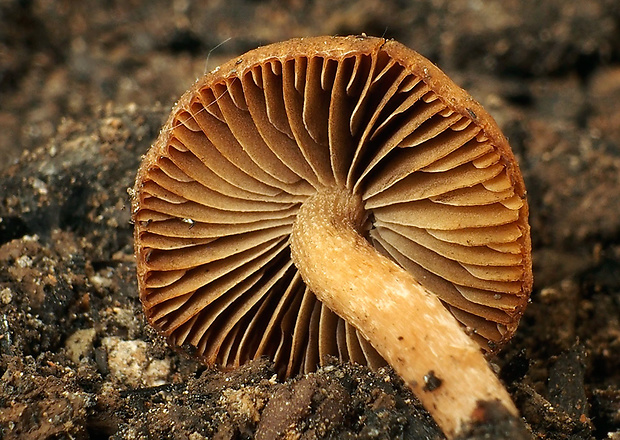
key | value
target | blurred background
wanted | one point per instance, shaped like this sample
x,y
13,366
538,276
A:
x,y
548,71
65,58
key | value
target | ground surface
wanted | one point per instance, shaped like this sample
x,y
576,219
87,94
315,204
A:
x,y
84,88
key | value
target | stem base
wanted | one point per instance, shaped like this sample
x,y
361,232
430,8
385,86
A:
x,y
404,322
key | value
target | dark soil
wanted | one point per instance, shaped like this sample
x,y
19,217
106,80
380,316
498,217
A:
x,y
84,88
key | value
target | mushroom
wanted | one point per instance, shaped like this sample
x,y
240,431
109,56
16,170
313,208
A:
x,y
337,196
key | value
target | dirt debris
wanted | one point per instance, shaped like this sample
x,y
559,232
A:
x,y
80,89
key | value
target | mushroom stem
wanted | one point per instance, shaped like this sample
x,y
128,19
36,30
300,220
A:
x,y
428,349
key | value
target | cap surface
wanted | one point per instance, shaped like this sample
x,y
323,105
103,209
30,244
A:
x,y
216,197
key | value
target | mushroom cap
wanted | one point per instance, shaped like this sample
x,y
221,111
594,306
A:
x,y
217,194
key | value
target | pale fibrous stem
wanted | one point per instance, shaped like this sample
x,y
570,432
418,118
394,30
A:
x,y
404,322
